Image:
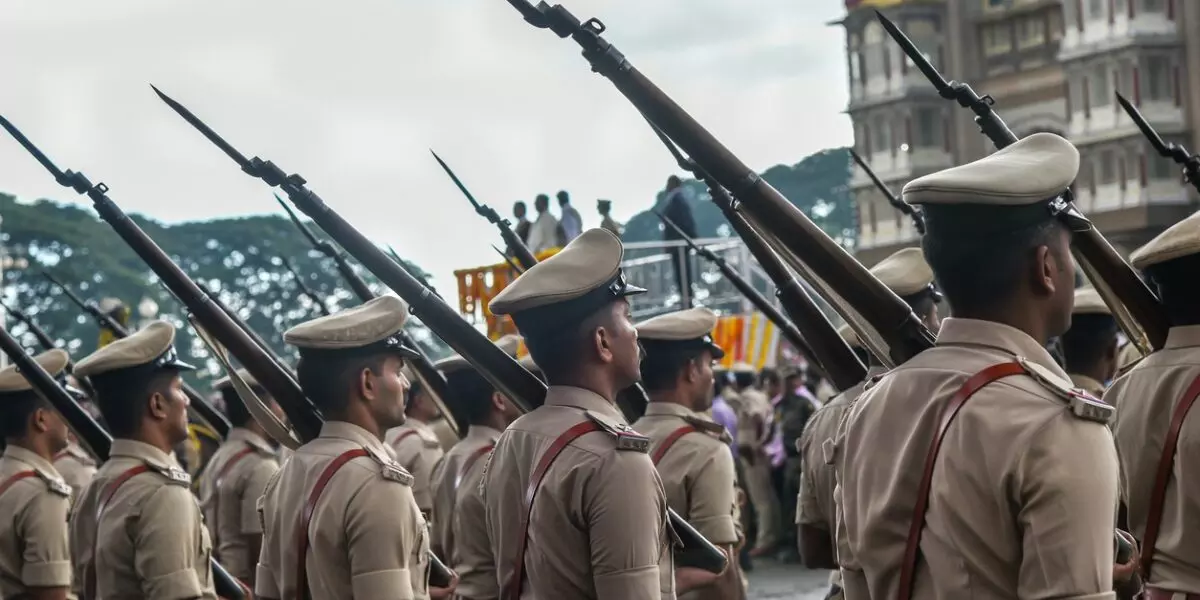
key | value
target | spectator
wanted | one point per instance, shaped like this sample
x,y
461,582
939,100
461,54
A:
x,y
522,229
606,221
543,234
678,211
570,222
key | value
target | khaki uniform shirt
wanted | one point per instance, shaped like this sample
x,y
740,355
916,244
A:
x,y
754,411
151,541
1146,398
366,537
460,529
598,526
229,494
608,223
418,453
34,548
1023,497
697,472
1087,384
815,504
76,467
445,433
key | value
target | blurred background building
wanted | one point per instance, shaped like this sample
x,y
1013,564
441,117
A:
x,y
1051,65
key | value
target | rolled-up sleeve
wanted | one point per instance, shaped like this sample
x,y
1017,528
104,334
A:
x,y
711,499
626,517
46,554
167,545
382,542
1066,487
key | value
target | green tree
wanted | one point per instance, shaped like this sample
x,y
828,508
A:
x,y
240,259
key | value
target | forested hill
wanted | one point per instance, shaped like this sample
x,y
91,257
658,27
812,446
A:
x,y
240,258
818,185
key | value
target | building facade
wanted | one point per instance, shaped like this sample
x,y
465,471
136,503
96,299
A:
x,y
1050,65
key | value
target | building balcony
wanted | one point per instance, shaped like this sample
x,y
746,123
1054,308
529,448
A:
x,y
1109,122
900,167
1102,35
886,90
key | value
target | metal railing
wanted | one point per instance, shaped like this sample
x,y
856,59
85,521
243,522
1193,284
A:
x,y
652,265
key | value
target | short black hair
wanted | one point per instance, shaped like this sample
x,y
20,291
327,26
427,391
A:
x,y
557,353
121,395
326,377
982,273
235,408
15,410
471,396
518,204
563,196
414,389
1088,339
922,302
1175,281
663,362
767,376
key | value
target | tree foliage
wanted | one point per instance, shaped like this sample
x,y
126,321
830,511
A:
x,y
817,185
240,259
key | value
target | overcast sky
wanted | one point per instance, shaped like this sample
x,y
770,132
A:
x,y
352,94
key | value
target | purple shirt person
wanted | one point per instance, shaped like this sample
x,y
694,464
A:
x,y
724,416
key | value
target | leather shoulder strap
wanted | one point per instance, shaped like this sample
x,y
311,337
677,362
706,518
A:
x,y
912,547
403,436
670,440
1162,475
15,478
470,462
512,587
310,506
89,584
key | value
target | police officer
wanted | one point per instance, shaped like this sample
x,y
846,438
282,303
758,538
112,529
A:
x,y
137,530
339,518
908,275
1152,426
690,450
460,523
755,428
35,558
74,463
417,446
234,480
1021,482
1090,345
595,525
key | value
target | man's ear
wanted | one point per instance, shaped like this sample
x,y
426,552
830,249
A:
x,y
1044,271
365,381
39,419
602,341
157,405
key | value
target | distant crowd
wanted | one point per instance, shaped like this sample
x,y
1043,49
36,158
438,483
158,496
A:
x,y
547,231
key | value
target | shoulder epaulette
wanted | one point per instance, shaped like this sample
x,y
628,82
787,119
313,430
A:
x,y
389,469
627,439
713,429
173,475
429,439
1082,405
55,485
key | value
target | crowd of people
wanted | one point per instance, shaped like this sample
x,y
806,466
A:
x,y
546,231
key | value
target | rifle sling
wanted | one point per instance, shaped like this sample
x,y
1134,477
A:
x,y
1162,475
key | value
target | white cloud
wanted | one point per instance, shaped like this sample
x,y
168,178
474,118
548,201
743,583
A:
x,y
353,94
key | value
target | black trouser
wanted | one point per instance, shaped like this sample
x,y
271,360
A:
x,y
683,274
790,494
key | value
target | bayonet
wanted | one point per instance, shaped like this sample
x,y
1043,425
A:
x,y
1136,308
518,248
900,205
105,320
1176,152
304,289
508,259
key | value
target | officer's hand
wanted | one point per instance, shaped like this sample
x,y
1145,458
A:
x,y
444,593
690,578
1123,572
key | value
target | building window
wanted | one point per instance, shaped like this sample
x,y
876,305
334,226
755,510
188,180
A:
x,y
1160,167
929,127
1031,32
1155,6
1101,93
1097,9
1158,78
883,135
997,39
1107,167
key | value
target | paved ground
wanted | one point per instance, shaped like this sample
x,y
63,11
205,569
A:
x,y
774,581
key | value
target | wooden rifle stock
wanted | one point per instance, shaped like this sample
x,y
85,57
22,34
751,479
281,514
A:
x,y
904,332
91,434
827,347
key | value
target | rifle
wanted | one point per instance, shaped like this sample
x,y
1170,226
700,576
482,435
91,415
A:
x,y
1176,152
518,248
904,332
433,379
215,419
500,369
1134,305
304,289
900,205
90,433
48,344
508,259
396,257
